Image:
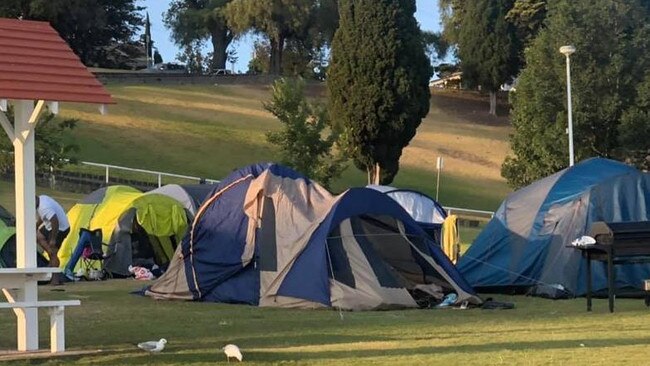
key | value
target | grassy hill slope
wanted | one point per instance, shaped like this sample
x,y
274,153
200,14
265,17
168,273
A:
x,y
208,131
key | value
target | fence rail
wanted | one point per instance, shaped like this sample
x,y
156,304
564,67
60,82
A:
x,y
469,212
107,168
160,175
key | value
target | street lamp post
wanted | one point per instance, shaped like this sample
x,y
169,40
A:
x,y
568,51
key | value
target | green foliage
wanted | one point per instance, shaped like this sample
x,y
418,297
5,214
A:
x,y
278,20
451,13
487,46
437,45
378,82
296,60
297,27
609,88
528,17
196,21
97,30
635,129
53,148
157,58
196,61
301,141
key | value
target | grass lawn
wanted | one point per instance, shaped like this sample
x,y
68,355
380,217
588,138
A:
x,y
208,131
8,198
537,332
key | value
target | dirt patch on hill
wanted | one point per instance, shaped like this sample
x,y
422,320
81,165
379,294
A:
x,y
465,156
471,106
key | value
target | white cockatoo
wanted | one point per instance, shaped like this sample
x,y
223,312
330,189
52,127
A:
x,y
153,346
232,351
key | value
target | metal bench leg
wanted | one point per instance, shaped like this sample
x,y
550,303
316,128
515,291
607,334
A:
x,y
57,329
588,281
611,279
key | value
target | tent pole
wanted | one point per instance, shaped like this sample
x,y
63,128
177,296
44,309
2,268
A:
x,y
329,260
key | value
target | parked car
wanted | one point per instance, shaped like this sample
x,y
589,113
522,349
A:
x,y
221,72
170,68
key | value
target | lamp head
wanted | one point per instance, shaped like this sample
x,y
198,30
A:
x,y
567,50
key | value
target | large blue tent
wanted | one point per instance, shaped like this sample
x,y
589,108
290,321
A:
x,y
268,236
527,243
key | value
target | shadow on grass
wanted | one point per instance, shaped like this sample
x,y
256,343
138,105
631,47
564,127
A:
x,y
173,355
434,350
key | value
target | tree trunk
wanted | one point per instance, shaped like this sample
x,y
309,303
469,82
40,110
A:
x,y
377,177
220,41
374,174
277,48
273,56
493,103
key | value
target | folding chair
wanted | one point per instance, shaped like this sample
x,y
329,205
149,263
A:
x,y
93,250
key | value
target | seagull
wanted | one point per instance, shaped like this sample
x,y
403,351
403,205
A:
x,y
153,346
232,351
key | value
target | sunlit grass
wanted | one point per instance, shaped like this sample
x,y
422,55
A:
x,y
537,332
210,130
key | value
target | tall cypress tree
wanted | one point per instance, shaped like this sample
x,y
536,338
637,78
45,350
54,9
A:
x,y
487,46
378,82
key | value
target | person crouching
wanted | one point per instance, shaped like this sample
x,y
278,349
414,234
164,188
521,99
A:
x,y
55,227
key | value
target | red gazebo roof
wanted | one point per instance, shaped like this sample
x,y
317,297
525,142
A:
x,y
37,64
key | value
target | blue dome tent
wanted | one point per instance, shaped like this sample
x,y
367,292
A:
x,y
268,236
526,245
428,213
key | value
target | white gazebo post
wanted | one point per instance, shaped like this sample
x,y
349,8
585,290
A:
x,y
37,68
24,122
22,137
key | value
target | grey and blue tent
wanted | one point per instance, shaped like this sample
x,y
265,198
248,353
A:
x,y
428,213
268,236
189,195
526,246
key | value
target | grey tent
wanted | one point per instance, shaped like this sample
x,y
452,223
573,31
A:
x,y
189,195
526,246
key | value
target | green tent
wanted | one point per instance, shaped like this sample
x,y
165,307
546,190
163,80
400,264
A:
x,y
117,210
8,241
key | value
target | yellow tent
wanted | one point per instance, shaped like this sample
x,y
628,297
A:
x,y
113,210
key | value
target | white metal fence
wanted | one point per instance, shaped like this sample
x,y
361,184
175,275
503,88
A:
x,y
159,175
469,212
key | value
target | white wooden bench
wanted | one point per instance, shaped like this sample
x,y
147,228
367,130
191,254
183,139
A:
x,y
56,310
19,286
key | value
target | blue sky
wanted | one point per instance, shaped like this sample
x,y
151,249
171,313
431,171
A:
x,y
427,14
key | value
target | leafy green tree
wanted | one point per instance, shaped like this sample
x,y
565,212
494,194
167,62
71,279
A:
x,y
157,58
609,87
94,29
487,46
528,17
53,146
193,21
278,20
301,142
195,60
297,61
437,45
378,82
451,13
634,145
